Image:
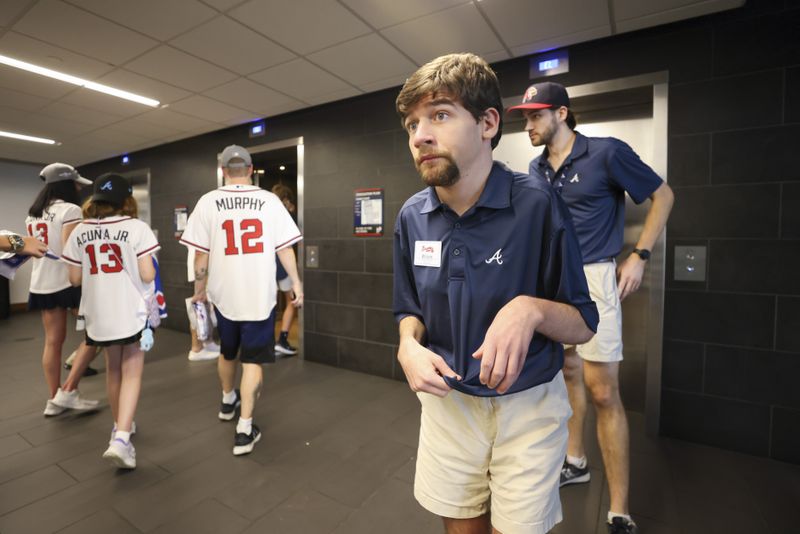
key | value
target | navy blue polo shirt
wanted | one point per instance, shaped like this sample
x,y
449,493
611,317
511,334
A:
x,y
516,240
593,181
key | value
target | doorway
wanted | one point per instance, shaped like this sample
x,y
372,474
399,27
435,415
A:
x,y
634,110
275,163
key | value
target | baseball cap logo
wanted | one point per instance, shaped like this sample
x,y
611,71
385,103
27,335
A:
x,y
529,94
106,187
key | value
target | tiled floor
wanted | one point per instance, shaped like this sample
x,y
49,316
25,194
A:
x,y
337,456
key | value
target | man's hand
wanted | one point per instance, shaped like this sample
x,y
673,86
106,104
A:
x,y
297,289
33,247
629,275
200,297
424,369
506,343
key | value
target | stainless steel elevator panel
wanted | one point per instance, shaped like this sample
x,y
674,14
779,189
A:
x,y
633,110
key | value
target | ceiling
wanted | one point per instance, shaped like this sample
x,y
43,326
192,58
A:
x,y
217,63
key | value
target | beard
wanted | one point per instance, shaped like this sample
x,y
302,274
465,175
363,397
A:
x,y
547,135
442,173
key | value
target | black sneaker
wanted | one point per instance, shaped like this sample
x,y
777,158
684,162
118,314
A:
x,y
620,525
88,372
244,443
228,411
571,474
283,347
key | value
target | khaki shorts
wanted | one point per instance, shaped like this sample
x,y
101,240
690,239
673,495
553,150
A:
x,y
606,345
500,453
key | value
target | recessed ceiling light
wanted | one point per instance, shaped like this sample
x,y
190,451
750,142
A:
x,y
42,71
282,167
23,137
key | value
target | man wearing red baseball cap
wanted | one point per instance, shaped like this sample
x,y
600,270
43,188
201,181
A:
x,y
592,176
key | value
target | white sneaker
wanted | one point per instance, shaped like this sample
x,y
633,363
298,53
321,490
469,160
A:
x,y
51,409
121,454
203,355
73,401
114,431
210,346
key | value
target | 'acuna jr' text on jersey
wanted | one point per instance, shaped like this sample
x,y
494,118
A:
x,y
108,250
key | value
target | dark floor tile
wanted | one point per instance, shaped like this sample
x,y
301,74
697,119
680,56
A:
x,y
206,517
355,479
12,444
102,522
79,501
304,512
153,506
393,510
29,488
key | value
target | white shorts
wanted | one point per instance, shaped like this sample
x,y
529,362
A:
x,y
285,284
500,453
606,345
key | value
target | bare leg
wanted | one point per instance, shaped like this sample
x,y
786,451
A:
x,y
84,357
197,345
602,379
55,330
131,385
288,312
113,377
573,374
227,373
475,525
252,377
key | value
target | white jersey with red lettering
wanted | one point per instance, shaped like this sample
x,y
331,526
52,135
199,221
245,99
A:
x,y
241,227
107,250
50,276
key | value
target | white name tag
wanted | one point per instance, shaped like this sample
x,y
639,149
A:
x,y
428,253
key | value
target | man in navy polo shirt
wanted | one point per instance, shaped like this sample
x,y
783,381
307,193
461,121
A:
x,y
488,283
592,175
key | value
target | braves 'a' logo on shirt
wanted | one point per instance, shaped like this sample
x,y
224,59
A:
x,y
496,257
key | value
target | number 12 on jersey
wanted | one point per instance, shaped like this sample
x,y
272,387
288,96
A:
x,y
251,230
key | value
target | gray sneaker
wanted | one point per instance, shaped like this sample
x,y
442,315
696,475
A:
x,y
572,474
121,454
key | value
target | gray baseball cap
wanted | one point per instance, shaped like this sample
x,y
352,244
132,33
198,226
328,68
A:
x,y
59,172
234,152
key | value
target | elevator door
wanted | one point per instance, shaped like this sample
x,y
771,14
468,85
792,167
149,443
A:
x,y
634,125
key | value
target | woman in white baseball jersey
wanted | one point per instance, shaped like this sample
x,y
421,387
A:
x,y
52,217
109,255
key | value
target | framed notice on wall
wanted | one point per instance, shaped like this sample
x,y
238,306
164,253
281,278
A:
x,y
180,218
368,213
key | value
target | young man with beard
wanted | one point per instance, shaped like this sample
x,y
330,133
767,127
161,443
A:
x,y
592,175
488,283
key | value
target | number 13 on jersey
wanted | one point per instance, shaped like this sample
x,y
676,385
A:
x,y
250,231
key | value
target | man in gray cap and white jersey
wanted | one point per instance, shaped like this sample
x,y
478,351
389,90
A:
x,y
236,231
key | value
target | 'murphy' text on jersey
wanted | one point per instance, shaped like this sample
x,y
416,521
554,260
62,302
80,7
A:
x,y
239,203
94,234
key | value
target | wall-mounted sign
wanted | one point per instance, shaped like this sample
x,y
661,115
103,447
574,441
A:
x,y
549,64
368,213
180,219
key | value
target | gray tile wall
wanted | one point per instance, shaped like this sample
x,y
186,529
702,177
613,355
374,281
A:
x,y
731,348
